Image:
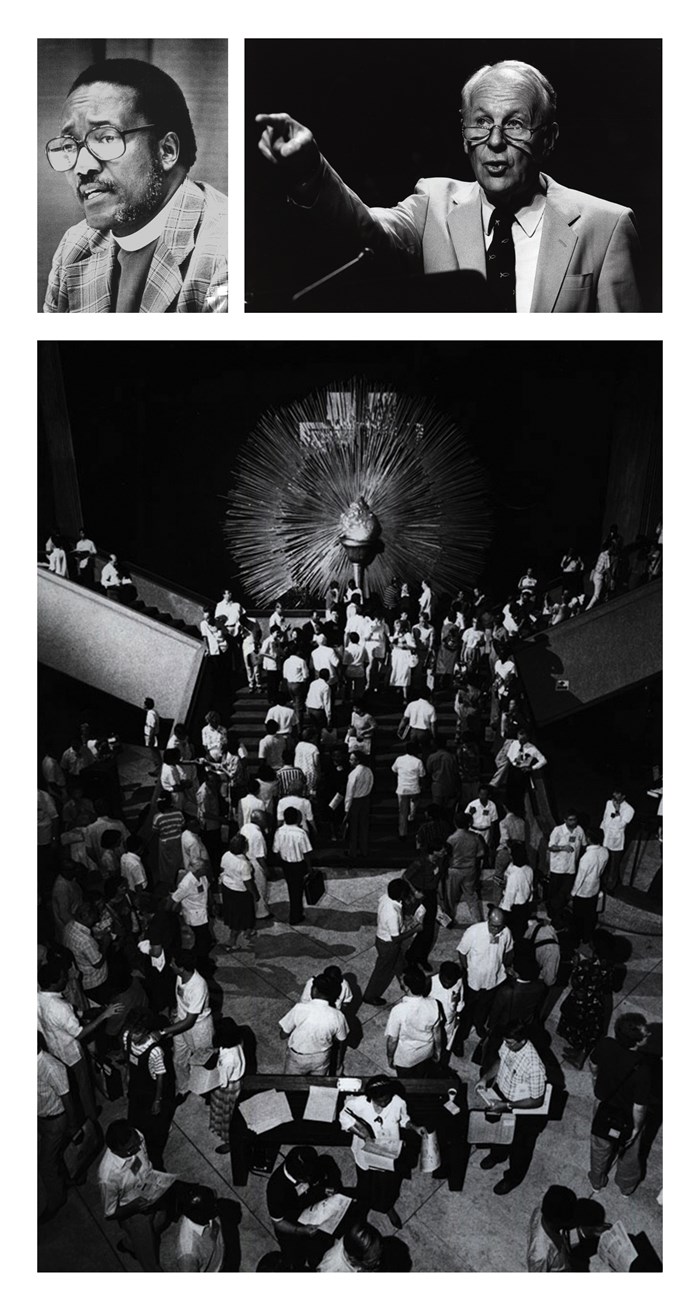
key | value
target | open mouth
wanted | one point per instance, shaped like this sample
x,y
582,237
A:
x,y
496,170
93,192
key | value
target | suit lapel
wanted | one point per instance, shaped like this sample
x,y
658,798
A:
x,y
89,279
466,231
172,253
559,240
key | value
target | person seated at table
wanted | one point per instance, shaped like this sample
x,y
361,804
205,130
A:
x,y
379,1115
295,1186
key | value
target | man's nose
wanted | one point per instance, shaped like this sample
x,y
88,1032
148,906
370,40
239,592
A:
x,y
497,140
86,163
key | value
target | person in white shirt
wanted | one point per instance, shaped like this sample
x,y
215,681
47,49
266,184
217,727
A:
x,y
379,1115
517,896
232,611
238,889
484,816
250,649
324,656
110,580
566,843
355,664
200,1244
410,771
524,756
271,661
303,806
152,725
587,884
230,1067
339,984
271,746
85,551
413,1031
214,737
295,672
192,895
419,720
447,987
389,941
313,1028
294,848
192,1031
64,1033
134,1193
617,816
212,635
319,700
307,759
254,832
175,781
358,791
484,951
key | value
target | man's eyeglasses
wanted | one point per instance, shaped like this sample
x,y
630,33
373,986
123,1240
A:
x,y
514,130
104,143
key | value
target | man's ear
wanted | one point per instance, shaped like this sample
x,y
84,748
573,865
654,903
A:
x,y
551,136
169,150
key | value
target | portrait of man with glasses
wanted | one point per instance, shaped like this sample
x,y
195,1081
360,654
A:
x,y
152,240
533,245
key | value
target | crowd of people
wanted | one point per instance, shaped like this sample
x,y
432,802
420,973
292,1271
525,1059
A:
x,y
132,923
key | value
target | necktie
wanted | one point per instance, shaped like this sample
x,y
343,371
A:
x,y
500,261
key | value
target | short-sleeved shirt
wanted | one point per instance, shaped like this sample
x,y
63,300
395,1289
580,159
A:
x,y
483,816
156,1061
464,848
87,954
312,1026
192,893
614,824
564,861
450,997
58,1021
421,715
236,872
52,1083
123,1181
291,843
389,918
385,1123
484,956
590,871
192,998
344,998
409,772
519,881
199,1249
413,1023
296,802
622,1076
521,1074
132,870
257,845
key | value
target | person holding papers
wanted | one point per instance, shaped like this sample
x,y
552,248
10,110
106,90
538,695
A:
x,y
376,1120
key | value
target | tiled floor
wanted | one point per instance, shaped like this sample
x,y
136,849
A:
x,y
471,1231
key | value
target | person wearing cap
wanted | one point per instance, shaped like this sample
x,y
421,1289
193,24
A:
x,y
312,1028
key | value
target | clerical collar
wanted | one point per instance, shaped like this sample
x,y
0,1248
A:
x,y
528,217
152,230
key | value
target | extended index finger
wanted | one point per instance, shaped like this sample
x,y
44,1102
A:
x,y
273,120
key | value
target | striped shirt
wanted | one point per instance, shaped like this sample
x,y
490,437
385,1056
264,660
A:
x,y
134,1050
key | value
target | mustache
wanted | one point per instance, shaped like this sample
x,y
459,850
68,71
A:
x,y
84,187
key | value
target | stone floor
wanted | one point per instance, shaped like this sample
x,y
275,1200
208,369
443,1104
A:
x,y
471,1231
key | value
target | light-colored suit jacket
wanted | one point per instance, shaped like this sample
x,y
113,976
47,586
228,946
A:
x,y
188,272
589,251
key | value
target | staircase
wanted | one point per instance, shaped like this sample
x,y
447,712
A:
x,y
386,850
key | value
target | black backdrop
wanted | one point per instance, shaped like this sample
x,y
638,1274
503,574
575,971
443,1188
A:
x,y
156,446
386,113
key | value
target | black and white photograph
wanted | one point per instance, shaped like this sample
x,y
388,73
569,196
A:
x,y
133,176
458,175
350,776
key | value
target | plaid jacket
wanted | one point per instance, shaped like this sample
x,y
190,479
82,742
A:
x,y
188,273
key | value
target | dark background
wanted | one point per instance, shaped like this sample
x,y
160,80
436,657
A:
x,y
156,428
386,113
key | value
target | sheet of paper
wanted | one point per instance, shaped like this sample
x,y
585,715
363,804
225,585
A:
x,y
349,1084
327,1213
321,1104
616,1248
266,1110
381,1154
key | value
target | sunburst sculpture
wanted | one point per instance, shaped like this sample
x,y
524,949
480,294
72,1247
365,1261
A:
x,y
356,473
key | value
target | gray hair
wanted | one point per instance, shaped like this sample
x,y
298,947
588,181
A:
x,y
542,87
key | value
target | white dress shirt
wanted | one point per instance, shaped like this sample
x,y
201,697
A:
x,y
527,236
385,1123
291,843
409,771
565,861
484,956
420,714
413,1023
313,1025
518,886
590,871
614,825
389,918
483,816
526,756
360,782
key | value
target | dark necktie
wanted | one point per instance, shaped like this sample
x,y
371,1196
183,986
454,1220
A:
x,y
500,261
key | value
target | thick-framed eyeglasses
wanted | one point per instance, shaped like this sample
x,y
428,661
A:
x,y
104,143
515,131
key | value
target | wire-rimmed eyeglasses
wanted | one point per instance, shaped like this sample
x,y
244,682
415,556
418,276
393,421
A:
x,y
512,130
104,143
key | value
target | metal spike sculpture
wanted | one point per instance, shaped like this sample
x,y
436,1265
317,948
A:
x,y
356,473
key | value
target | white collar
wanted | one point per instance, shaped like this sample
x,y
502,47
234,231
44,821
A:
x,y
152,229
529,217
